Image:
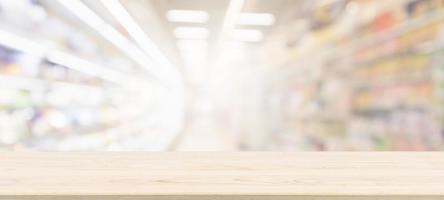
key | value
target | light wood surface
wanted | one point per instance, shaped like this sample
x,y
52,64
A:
x,y
202,176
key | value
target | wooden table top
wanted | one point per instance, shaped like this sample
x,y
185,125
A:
x,y
134,175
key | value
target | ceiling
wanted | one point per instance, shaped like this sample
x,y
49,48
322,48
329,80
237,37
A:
x,y
217,9
151,16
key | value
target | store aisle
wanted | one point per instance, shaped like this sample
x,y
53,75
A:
x,y
281,75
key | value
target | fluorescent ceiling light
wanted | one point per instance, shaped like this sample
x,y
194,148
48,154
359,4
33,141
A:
x,y
259,19
107,31
85,14
116,38
135,31
191,33
247,35
191,16
121,42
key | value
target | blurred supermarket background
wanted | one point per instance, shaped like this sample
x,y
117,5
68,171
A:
x,y
221,75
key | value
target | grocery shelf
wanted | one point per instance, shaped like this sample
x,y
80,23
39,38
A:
x,y
403,28
59,57
376,79
65,87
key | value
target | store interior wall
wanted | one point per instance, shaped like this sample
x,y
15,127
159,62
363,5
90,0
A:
x,y
221,75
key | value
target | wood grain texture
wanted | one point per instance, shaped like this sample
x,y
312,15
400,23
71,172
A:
x,y
202,176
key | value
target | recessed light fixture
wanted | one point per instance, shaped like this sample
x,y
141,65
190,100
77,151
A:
x,y
247,35
190,16
258,19
191,33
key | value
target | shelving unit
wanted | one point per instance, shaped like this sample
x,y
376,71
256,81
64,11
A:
x,y
402,101
65,88
373,87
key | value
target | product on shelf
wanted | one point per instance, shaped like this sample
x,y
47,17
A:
x,y
49,106
391,96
